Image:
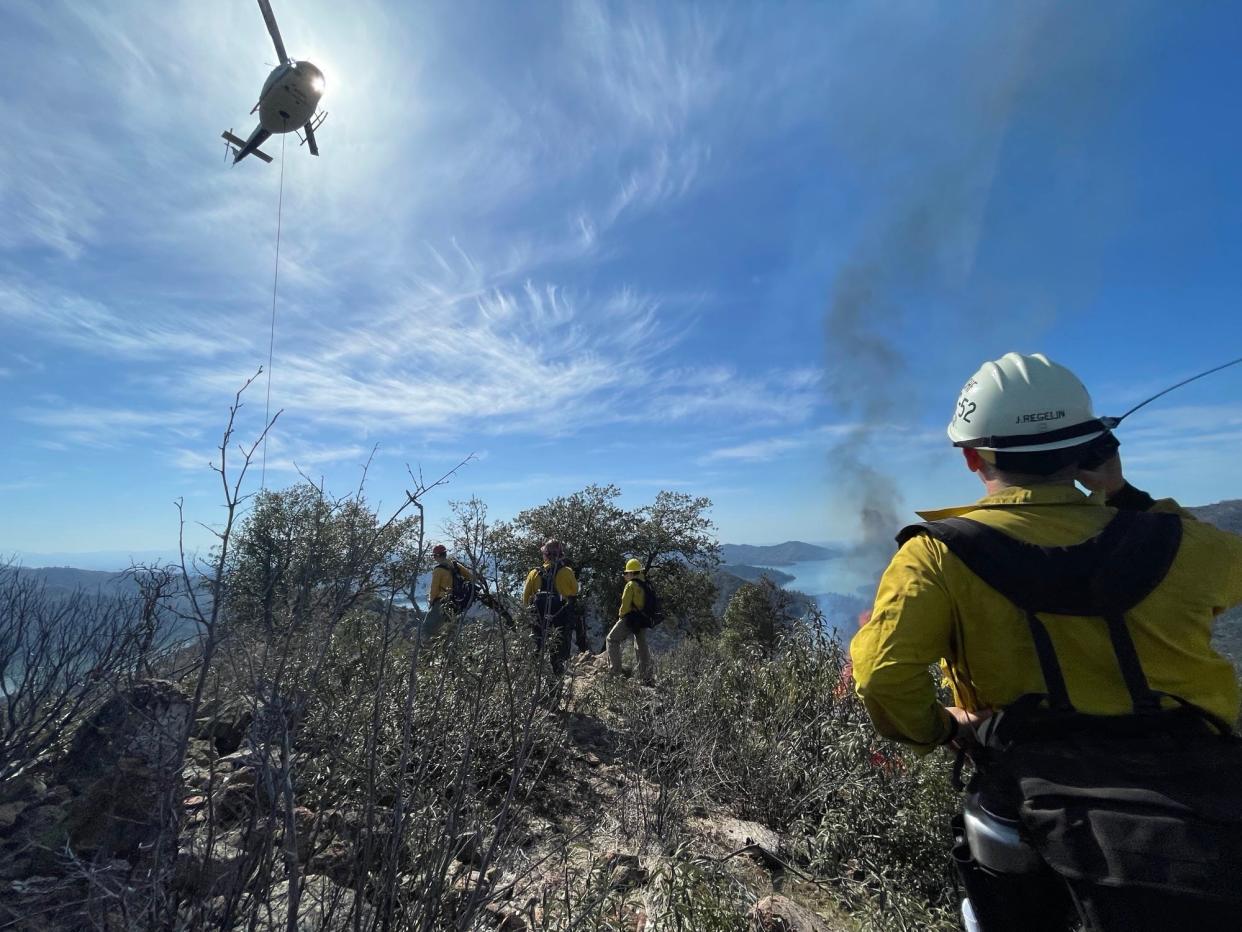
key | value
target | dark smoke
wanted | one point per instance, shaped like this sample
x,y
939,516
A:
x,y
929,122
868,378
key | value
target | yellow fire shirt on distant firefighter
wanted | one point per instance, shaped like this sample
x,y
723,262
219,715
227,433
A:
x,y
566,583
442,581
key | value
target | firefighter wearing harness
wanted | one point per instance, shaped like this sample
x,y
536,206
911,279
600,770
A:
x,y
550,593
1074,634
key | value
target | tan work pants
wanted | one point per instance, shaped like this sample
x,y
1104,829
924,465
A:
x,y
616,638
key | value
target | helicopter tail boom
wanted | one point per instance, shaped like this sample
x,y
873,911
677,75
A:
x,y
242,148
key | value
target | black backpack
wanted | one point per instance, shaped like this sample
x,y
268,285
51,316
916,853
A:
x,y
548,601
462,596
1150,799
652,611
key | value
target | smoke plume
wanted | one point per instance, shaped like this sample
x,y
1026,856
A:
x,y
928,123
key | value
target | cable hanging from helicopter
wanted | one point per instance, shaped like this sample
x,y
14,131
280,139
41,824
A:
x,y
289,100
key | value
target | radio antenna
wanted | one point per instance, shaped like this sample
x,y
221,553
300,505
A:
x,y
1111,422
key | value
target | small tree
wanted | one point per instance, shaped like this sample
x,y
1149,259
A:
x,y
757,616
299,550
594,528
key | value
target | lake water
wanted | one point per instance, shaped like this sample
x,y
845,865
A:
x,y
840,587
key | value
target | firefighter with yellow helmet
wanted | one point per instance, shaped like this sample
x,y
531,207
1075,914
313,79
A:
x,y
633,621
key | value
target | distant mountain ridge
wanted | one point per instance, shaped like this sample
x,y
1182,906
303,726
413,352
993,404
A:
x,y
1226,515
792,551
753,573
65,580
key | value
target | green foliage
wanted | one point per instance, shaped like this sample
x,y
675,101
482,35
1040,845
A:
x,y
298,550
672,536
757,616
781,739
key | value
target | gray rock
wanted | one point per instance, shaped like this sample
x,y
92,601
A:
x,y
234,797
217,870
25,788
322,906
9,813
223,724
738,833
505,918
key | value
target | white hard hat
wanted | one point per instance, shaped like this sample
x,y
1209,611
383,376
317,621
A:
x,y
1023,404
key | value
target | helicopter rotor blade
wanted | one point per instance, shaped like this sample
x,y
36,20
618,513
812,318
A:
x,y
270,18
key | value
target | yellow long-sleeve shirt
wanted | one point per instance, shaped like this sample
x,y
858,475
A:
x,y
442,581
566,583
633,598
930,608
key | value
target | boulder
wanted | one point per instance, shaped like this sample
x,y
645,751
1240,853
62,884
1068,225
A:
x,y
469,882
28,787
9,813
223,724
234,797
123,770
780,914
468,847
505,918
33,841
215,870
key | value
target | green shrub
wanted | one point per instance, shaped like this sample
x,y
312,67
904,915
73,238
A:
x,y
781,739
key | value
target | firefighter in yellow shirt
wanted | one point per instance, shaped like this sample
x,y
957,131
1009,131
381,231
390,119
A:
x,y
550,593
1074,634
450,591
632,623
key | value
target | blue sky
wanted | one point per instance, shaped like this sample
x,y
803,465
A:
x,y
734,249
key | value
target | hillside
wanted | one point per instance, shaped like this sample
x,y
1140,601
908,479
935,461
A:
x,y
1226,515
792,551
63,580
594,804
727,584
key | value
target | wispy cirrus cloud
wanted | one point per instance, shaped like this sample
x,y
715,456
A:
x,y
69,319
109,427
756,451
283,455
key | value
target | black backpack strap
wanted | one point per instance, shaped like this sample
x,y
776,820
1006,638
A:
x,y
1049,665
548,576
1104,576
553,602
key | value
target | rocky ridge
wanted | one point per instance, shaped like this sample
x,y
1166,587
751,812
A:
x,y
124,805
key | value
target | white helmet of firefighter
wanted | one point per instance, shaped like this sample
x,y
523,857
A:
x,y
1024,404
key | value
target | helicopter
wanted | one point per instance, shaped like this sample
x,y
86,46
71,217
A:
x,y
288,100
